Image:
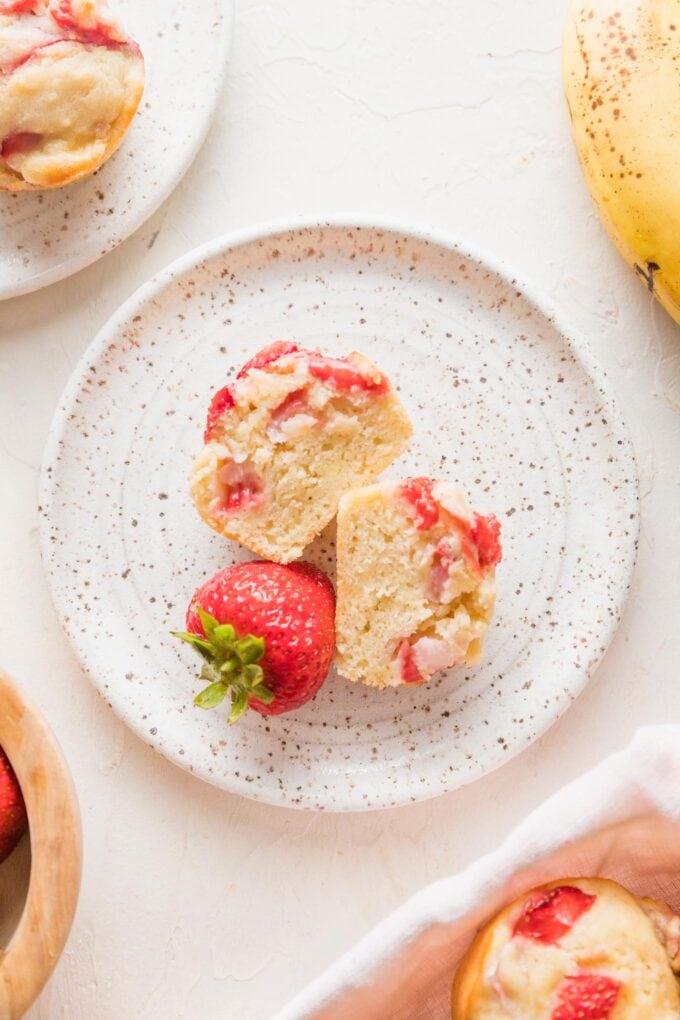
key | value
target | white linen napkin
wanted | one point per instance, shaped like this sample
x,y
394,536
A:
x,y
619,821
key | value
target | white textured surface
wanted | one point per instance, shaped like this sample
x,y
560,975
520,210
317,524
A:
x,y
196,904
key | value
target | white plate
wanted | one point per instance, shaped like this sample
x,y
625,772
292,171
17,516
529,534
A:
x,y
500,400
46,236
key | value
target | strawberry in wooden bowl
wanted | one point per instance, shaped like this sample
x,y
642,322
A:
x,y
266,634
39,873
13,818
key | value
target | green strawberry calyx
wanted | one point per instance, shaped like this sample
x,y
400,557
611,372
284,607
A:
x,y
231,666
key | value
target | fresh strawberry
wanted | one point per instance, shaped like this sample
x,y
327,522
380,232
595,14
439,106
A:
x,y
224,399
586,997
336,372
547,916
13,820
268,355
267,635
222,402
98,33
408,671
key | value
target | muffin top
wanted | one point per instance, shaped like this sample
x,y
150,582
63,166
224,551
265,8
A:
x,y
70,82
578,948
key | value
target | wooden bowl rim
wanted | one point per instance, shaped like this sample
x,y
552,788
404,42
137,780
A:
x,y
56,851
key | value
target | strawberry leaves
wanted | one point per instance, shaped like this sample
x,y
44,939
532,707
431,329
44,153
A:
x,y
231,666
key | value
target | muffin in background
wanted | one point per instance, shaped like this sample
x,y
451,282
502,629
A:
x,y
577,948
71,81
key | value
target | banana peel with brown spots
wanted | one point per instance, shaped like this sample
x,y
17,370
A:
x,y
621,66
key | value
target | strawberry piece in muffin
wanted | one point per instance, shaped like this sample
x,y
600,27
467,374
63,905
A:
x,y
547,916
71,81
586,997
284,440
585,949
416,581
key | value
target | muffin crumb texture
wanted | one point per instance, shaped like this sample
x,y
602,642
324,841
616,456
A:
x,y
416,581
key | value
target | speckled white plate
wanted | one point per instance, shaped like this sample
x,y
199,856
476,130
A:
x,y
46,236
500,400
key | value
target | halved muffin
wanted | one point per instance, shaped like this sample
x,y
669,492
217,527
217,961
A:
x,y
283,442
416,581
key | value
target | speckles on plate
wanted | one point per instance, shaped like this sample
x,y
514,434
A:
x,y
500,401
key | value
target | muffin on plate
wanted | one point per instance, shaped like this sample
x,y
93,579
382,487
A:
x,y
71,81
579,949
416,581
293,432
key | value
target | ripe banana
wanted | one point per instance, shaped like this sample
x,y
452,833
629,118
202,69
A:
x,y
621,65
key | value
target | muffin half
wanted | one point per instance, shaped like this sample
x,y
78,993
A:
x,y
283,442
416,581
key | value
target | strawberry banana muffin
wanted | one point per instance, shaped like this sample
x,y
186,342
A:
x,y
584,949
293,432
416,581
70,83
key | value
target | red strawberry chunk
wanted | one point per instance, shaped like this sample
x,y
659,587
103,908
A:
x,y
22,141
547,916
98,34
423,506
222,402
239,486
344,376
586,997
470,550
486,534
17,6
408,671
268,355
